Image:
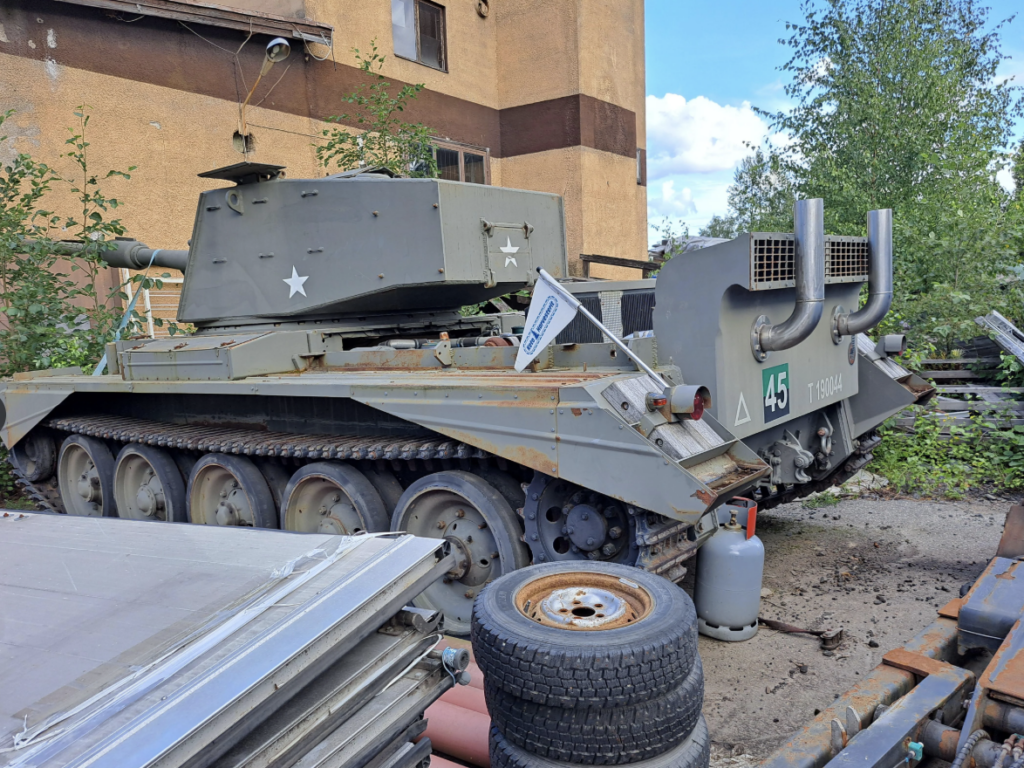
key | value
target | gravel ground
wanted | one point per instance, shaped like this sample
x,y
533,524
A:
x,y
877,568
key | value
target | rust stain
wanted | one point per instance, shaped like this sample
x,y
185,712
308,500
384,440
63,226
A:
x,y
917,663
706,497
951,610
810,746
935,639
529,457
948,743
1005,673
577,411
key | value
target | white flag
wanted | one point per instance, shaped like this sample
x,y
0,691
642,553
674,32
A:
x,y
549,314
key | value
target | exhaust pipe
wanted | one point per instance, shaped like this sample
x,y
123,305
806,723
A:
x,y
809,271
879,281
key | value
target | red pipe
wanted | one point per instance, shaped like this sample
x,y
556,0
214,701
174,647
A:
x,y
459,732
439,762
467,697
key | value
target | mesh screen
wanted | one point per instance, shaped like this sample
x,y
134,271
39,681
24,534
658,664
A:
x,y
773,260
846,259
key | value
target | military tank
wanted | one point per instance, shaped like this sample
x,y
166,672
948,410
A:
x,y
332,383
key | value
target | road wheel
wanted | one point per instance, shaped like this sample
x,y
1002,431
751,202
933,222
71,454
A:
x,y
481,528
85,473
611,736
693,752
148,485
35,456
330,497
577,634
387,486
277,478
505,484
224,489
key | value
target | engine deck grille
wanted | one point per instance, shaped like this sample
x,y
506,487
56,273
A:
x,y
846,259
773,260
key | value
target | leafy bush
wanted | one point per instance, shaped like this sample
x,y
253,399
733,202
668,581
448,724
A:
x,y
924,460
47,317
386,140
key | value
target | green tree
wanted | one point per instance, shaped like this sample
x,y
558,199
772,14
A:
x,y
719,226
894,102
897,105
1017,172
762,194
386,140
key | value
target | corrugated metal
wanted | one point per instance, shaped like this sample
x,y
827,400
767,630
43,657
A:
x,y
637,311
581,330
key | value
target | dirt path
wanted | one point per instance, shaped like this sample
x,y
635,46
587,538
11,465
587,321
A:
x,y
879,569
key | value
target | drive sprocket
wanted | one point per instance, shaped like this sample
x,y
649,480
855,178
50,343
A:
x,y
566,522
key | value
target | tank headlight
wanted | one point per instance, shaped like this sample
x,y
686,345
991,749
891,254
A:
x,y
688,401
891,345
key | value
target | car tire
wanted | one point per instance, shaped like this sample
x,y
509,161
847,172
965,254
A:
x,y
693,752
612,736
561,667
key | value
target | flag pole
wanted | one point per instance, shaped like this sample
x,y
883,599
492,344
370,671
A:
x,y
615,339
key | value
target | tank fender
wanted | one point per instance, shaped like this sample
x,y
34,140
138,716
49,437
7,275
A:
x,y
23,407
564,431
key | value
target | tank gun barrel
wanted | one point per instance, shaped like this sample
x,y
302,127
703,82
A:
x,y
129,254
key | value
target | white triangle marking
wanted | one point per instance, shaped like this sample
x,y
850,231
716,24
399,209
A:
x,y
741,408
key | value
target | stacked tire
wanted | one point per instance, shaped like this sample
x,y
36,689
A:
x,y
592,664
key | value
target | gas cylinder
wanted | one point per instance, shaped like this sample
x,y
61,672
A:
x,y
730,567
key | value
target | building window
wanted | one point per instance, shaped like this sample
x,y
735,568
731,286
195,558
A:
x,y
418,30
459,163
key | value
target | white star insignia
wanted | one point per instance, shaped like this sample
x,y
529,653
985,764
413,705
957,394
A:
x,y
508,250
295,283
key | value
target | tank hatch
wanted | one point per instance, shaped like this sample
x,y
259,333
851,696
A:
x,y
294,249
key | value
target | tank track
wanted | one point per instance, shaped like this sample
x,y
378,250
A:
x,y
45,495
856,462
248,442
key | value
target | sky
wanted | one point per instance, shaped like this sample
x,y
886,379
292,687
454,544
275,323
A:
x,y
708,64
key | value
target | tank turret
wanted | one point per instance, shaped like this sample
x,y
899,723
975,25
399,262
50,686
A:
x,y
273,248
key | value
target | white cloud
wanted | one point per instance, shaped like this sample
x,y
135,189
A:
x,y
698,135
1005,177
673,202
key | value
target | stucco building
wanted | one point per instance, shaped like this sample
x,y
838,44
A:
x,y
535,94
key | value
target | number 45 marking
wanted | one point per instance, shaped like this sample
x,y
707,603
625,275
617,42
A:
x,y
775,390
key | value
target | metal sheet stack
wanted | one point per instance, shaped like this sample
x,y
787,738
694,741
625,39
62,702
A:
x,y
128,644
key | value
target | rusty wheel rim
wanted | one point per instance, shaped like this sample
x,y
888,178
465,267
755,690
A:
x,y
584,601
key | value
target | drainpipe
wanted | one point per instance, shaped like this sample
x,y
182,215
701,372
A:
x,y
879,280
809,271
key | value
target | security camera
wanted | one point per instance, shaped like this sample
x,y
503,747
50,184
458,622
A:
x,y
278,50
